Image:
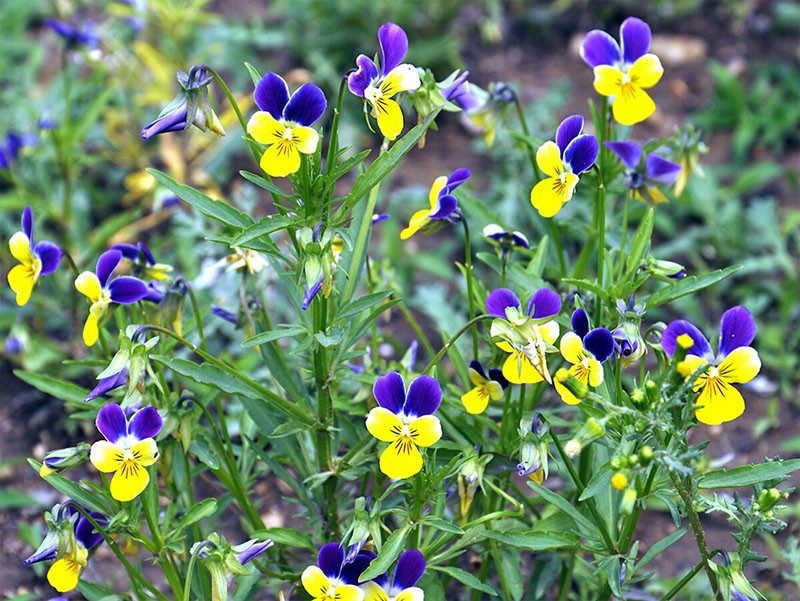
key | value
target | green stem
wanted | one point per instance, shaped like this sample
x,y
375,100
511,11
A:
x,y
684,581
187,589
150,507
452,340
197,317
623,238
600,217
418,331
470,296
229,95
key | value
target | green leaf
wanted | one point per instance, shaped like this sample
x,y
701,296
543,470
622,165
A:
x,y
599,482
201,449
443,525
288,537
689,285
640,244
747,475
14,499
287,331
216,209
264,227
466,578
199,511
365,302
659,548
389,552
66,391
534,540
254,74
263,182
565,506
84,496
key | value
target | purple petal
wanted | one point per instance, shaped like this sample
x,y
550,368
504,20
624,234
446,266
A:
x,y
599,48
311,292
106,264
127,290
445,205
569,129
544,303
145,423
476,365
330,559
272,94
390,392
85,532
253,551
580,322
630,153
600,343
737,328
520,240
148,256
662,170
409,570
581,153
635,36
27,223
108,384
352,570
49,254
455,179
129,251
366,73
49,552
111,422
394,46
497,375
172,121
669,339
224,314
306,105
424,397
499,299
154,293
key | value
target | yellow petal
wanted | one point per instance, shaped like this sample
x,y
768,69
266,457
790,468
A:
x,y
402,78
383,424
20,248
566,395
21,280
690,365
595,372
305,139
281,159
548,157
549,331
91,330
64,574
438,184
632,105
411,594
646,71
425,430
719,402
106,457
608,80
315,582
549,195
129,481
740,366
265,129
401,459
476,400
418,221
518,369
572,347
88,285
347,592
145,452
374,592
390,117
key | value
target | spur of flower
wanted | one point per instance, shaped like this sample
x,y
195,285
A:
x,y
35,260
333,578
127,450
378,86
735,363
625,71
402,586
562,161
484,388
444,206
585,350
405,421
527,335
284,122
641,177
102,290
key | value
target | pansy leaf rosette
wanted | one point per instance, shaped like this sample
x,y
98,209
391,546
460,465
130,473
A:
x,y
624,72
444,206
402,586
284,122
562,162
405,421
585,350
378,85
525,335
332,577
735,363
129,447
35,259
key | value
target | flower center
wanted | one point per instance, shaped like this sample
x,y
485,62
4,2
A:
x,y
372,94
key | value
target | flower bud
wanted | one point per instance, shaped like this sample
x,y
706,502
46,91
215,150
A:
x,y
628,501
573,448
619,481
571,383
63,460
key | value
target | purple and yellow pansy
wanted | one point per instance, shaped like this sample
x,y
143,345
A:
x,y
484,388
402,586
284,122
444,206
35,259
641,179
332,577
585,350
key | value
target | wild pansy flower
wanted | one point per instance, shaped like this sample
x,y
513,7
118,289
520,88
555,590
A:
x,y
625,72
484,388
189,107
533,449
444,206
526,336
102,290
629,345
402,587
641,179
735,363
319,260
11,147
127,450
505,240
585,349
333,579
405,421
144,263
221,559
482,110
284,123
379,86
75,36
62,460
562,161
35,260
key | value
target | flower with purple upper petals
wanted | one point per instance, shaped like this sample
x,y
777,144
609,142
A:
x,y
735,363
482,110
527,335
379,86
14,143
144,263
444,206
624,72
642,176
585,349
128,448
102,290
562,161
405,421
332,578
35,260
75,35
484,388
284,122
402,587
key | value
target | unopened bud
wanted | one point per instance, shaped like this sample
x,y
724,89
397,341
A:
x,y
572,448
619,481
628,501
575,386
